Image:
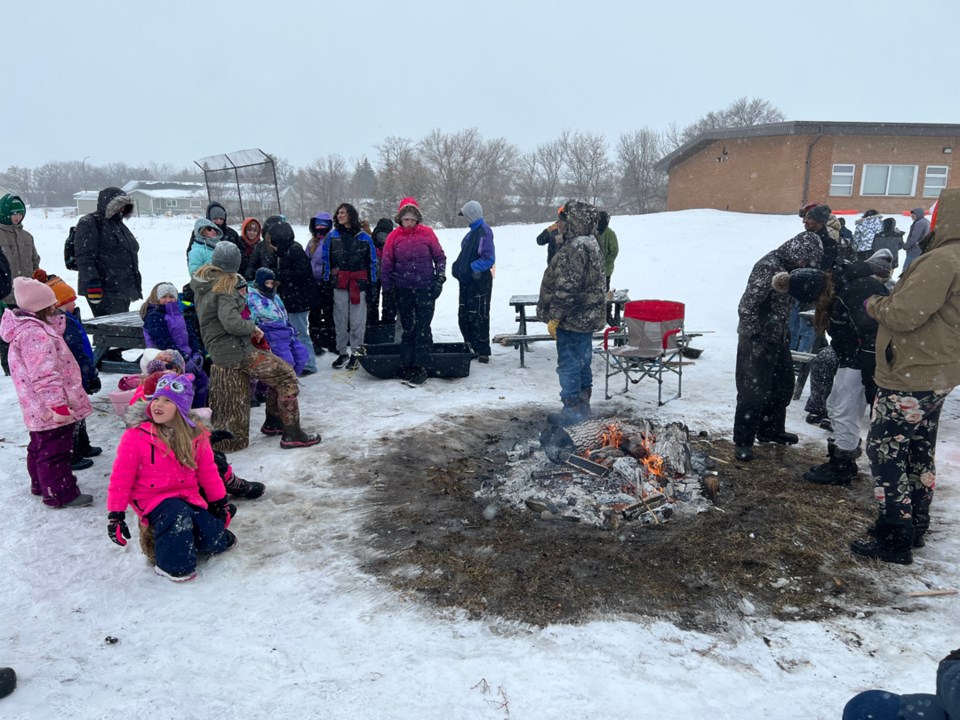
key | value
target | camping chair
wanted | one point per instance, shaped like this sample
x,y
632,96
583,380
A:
x,y
654,345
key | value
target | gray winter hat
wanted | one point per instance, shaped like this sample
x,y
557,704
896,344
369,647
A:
x,y
881,263
226,256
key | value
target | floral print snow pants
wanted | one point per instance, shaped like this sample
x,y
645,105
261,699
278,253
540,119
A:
x,y
901,446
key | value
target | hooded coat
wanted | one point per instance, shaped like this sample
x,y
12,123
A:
x,y
890,238
412,258
293,274
918,230
45,373
146,472
573,288
918,339
226,334
17,246
867,228
201,252
765,313
107,252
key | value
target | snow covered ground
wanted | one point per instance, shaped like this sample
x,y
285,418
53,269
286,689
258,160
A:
x,y
288,626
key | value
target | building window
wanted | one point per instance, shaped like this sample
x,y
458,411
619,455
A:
x,y
935,180
900,180
196,203
170,203
841,182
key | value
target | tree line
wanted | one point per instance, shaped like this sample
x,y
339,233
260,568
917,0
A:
x,y
443,170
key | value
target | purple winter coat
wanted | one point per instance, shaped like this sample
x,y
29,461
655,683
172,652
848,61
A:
x,y
285,345
45,373
412,257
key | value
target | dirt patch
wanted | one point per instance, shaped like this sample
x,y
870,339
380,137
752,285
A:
x,y
773,544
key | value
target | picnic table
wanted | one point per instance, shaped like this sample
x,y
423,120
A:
x,y
123,331
520,303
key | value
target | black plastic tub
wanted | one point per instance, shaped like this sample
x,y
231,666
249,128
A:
x,y
373,335
449,360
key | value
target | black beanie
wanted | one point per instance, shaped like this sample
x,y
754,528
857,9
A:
x,y
821,214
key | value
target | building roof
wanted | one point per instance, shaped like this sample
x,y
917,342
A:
x,y
165,189
804,127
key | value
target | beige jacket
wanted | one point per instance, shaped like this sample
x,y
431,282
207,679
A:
x,y
17,244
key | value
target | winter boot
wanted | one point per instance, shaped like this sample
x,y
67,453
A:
x,y
840,469
239,488
892,542
584,399
294,437
570,415
273,425
921,523
743,453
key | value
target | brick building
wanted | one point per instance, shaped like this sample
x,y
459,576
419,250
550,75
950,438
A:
x,y
778,167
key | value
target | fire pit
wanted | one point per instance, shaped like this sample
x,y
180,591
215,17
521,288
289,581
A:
x,y
606,472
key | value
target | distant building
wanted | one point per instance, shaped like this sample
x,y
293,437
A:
x,y
153,197
779,167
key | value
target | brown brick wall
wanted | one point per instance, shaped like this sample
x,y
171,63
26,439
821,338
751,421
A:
x,y
766,174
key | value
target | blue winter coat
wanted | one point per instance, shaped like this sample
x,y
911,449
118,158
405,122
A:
x,y
76,339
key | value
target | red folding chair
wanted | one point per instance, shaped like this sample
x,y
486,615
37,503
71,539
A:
x,y
654,337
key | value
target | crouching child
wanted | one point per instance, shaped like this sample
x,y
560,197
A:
x,y
163,470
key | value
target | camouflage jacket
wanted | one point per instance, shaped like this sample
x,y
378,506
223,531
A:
x,y
572,289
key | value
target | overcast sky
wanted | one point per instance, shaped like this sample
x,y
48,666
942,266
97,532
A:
x,y
176,80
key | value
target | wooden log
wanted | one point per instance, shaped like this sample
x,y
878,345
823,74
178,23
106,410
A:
x,y
932,593
230,403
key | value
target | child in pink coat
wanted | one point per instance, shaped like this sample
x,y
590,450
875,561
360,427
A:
x,y
50,388
165,471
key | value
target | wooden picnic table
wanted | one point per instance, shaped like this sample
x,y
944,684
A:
x,y
520,303
123,331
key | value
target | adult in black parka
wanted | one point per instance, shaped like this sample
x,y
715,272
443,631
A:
x,y
107,255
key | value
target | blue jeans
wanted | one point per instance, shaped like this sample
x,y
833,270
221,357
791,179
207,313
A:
x,y
574,357
802,333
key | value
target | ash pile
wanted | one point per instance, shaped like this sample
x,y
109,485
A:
x,y
607,473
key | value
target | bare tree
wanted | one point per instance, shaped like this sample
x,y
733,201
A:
x,y
742,112
642,189
327,183
588,171
400,174
537,182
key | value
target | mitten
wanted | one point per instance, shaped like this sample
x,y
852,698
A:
x,y
94,292
93,387
117,529
552,328
222,510
61,414
438,281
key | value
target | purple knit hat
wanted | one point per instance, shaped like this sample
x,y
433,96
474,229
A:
x,y
178,389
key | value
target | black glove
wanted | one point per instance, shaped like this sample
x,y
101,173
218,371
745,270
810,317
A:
x,y
93,387
437,288
222,510
117,529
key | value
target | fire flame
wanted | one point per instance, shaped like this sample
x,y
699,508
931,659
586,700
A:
x,y
652,462
612,436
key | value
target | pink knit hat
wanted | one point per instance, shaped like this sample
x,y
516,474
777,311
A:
x,y
32,295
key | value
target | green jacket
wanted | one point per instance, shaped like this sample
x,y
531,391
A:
x,y
226,335
918,338
609,249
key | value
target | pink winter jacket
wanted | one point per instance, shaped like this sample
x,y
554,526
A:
x,y
146,472
44,371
